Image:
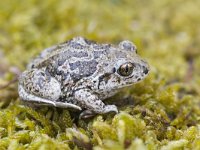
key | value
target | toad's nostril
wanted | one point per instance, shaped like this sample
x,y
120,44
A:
x,y
145,71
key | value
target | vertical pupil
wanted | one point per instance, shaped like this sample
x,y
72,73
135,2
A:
x,y
126,69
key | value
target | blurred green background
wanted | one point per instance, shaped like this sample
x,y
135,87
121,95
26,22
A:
x,y
167,31
167,34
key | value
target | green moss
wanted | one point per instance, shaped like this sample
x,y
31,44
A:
x,y
161,112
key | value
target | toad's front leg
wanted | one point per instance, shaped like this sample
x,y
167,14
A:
x,y
93,105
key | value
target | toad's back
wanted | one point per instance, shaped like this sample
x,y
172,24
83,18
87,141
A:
x,y
74,59
78,50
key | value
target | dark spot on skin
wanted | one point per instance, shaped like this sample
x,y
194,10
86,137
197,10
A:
x,y
37,90
100,80
114,70
89,87
32,66
42,73
58,72
105,77
86,68
75,65
138,79
98,54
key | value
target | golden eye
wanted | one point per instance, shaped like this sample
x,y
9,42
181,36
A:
x,y
126,69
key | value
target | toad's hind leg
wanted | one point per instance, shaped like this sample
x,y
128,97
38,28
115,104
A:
x,y
37,86
38,100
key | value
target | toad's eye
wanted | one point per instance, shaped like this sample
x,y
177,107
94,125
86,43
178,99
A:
x,y
126,69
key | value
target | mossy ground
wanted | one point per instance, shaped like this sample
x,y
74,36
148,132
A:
x,y
161,112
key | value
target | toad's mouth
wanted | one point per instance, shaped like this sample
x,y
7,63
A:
x,y
129,77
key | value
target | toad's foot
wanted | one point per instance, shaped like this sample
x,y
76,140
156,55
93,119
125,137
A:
x,y
107,109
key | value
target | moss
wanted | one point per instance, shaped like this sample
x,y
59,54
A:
x,y
161,112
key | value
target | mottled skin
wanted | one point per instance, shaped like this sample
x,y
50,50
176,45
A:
x,y
80,74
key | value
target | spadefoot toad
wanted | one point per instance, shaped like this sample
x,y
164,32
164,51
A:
x,y
80,74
